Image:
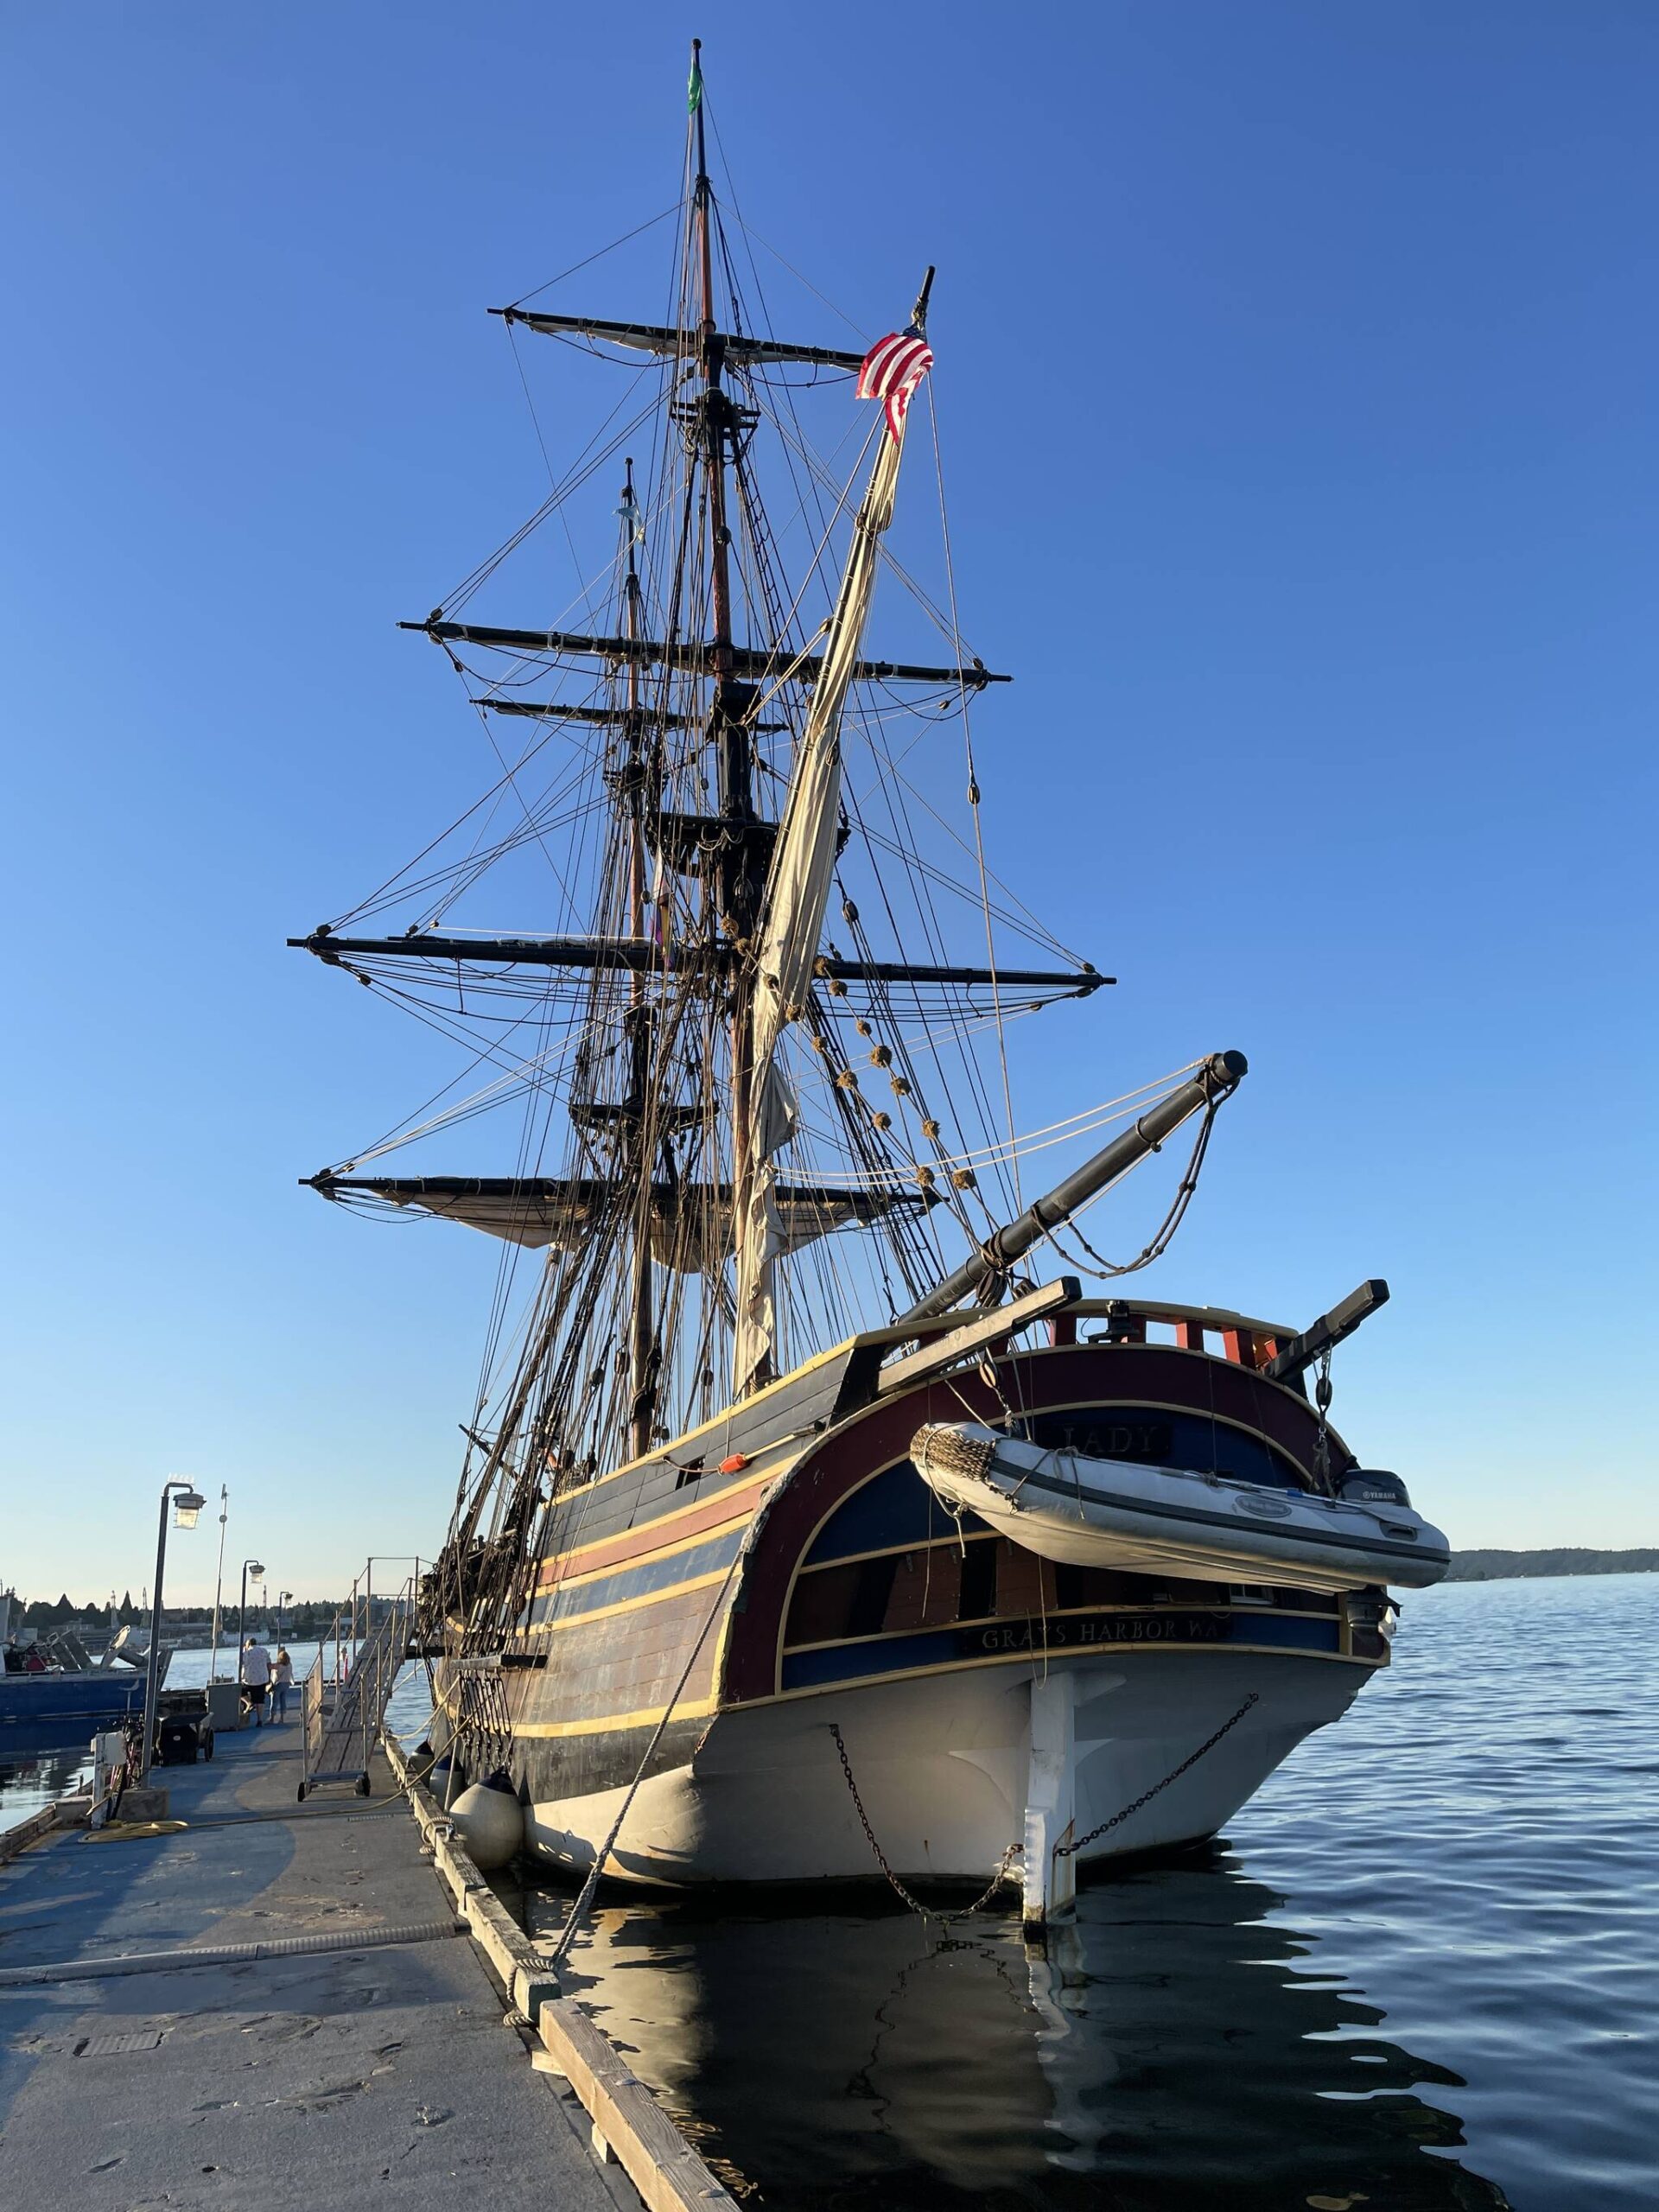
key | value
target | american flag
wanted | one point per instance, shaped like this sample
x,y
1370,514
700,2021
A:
x,y
892,368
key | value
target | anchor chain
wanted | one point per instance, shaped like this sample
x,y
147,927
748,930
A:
x,y
881,1857
1070,1850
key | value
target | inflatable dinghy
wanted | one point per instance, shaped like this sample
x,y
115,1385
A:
x,y
1210,1527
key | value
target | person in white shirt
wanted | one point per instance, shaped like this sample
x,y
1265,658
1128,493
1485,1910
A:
x,y
256,1677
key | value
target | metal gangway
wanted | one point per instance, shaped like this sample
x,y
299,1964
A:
x,y
343,1697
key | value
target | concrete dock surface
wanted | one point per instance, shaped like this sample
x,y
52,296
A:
x,y
374,2075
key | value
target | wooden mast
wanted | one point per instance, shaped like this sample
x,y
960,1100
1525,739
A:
x,y
642,1124
727,729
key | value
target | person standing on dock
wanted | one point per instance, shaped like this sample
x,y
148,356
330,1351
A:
x,y
255,1678
282,1680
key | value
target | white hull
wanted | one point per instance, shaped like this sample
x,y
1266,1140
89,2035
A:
x,y
1142,1520
948,1771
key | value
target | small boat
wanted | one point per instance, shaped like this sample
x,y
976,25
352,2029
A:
x,y
54,1691
1113,1513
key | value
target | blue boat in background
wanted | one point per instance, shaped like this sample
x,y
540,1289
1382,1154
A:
x,y
39,1710
53,1692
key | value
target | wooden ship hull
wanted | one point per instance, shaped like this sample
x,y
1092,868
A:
x,y
708,1612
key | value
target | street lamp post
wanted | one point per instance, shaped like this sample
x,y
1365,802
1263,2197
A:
x,y
186,1505
250,1566
282,1597
219,1578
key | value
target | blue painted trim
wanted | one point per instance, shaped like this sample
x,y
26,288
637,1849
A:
x,y
993,1639
650,1576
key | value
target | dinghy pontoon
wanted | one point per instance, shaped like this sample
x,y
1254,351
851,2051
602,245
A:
x,y
1113,1513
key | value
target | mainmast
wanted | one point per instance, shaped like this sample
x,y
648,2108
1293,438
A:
x,y
642,1355
715,416
734,883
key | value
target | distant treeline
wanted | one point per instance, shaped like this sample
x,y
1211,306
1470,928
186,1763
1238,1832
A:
x,y
1567,1559
43,1613
305,1622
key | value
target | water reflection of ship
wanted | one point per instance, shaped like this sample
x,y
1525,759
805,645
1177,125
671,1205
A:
x,y
1174,2046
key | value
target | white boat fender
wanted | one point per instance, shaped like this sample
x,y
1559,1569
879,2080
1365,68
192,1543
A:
x,y
490,1821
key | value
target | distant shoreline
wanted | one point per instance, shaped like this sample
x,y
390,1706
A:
x,y
1510,1566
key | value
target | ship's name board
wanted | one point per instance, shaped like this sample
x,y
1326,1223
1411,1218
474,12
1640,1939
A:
x,y
1076,1631
1150,1442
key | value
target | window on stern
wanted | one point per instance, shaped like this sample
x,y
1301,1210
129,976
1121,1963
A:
x,y
872,1583
978,1600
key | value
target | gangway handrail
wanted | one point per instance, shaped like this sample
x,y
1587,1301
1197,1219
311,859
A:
x,y
368,1657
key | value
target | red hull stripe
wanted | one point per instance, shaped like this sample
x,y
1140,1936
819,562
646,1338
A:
x,y
736,1503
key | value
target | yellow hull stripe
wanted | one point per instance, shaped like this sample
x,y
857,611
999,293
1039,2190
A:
x,y
1034,1659
739,1489
691,1709
629,1604
745,1512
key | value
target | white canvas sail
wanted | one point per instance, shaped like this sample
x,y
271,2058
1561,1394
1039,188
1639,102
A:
x,y
797,891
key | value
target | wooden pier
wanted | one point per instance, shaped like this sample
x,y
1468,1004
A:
x,y
284,2007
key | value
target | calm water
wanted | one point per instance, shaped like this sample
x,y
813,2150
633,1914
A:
x,y
1423,1972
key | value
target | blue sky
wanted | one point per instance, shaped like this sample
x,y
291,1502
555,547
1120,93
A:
x,y
1296,376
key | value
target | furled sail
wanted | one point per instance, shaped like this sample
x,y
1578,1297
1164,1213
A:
x,y
690,1222
802,864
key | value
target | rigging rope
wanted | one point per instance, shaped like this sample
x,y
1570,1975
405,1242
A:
x,y
676,207
973,805
559,1394
1172,1221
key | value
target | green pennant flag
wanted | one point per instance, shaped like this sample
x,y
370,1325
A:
x,y
694,89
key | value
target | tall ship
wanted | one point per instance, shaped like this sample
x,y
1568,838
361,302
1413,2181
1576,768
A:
x,y
829,1509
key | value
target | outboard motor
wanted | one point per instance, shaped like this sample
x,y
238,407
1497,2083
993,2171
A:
x,y
1374,1486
